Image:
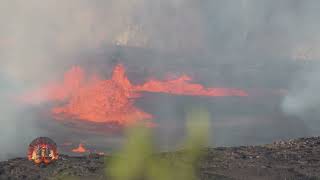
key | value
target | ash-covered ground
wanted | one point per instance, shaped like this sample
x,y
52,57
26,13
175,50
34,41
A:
x,y
292,159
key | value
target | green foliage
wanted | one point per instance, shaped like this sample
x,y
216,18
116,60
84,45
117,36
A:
x,y
138,159
130,163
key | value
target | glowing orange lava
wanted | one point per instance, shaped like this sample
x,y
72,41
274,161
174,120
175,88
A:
x,y
183,86
80,149
112,101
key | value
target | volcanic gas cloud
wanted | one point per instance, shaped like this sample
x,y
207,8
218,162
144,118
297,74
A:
x,y
90,98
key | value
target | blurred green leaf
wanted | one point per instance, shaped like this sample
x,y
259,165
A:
x,y
130,162
137,160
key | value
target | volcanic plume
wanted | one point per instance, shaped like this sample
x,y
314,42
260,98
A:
x,y
90,98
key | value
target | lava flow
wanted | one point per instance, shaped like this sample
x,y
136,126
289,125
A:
x,y
112,101
80,149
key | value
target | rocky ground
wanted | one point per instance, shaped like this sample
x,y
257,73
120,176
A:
x,y
293,159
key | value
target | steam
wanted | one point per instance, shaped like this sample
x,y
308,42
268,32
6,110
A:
x,y
41,38
303,101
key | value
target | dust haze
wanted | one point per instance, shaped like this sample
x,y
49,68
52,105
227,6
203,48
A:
x,y
246,43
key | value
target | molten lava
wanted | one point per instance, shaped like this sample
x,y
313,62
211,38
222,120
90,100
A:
x,y
182,86
112,101
80,149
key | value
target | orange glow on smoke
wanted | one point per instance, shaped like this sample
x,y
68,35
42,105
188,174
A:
x,y
80,149
112,101
56,91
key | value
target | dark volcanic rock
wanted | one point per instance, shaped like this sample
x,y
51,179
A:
x,y
86,167
293,159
